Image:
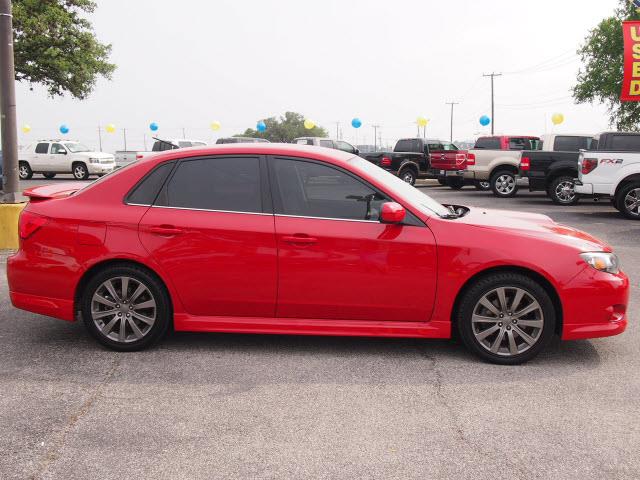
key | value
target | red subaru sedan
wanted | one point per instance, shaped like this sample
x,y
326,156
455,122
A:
x,y
291,239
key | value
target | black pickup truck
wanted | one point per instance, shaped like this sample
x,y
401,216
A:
x,y
556,171
410,158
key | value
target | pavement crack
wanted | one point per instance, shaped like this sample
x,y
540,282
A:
x,y
58,444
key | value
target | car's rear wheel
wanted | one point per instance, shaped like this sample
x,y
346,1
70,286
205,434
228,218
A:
x,y
442,180
628,200
408,175
48,175
482,185
506,318
125,308
24,171
503,184
455,183
80,171
562,191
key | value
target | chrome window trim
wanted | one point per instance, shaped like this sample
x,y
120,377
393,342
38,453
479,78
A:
x,y
211,210
328,218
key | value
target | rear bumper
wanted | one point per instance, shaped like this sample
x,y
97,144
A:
x,y
51,307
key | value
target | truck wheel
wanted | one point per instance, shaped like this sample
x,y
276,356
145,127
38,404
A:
x,y
482,185
48,175
503,184
442,181
455,183
562,191
24,171
408,175
80,171
628,199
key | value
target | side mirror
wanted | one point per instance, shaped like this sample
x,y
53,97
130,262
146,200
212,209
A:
x,y
62,152
356,151
392,212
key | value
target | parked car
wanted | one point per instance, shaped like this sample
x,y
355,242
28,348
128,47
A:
x,y
221,141
556,171
125,157
51,157
410,158
327,143
613,172
260,238
497,159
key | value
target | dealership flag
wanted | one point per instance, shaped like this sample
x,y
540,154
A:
x,y
631,78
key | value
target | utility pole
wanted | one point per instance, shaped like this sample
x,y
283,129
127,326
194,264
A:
x,y
375,136
100,137
337,130
493,123
451,130
10,185
184,134
124,135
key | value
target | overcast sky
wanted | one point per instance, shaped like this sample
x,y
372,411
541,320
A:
x,y
184,64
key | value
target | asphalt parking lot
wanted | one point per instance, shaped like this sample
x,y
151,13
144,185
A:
x,y
250,406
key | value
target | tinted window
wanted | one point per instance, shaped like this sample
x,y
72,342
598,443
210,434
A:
x,y
450,147
326,143
345,147
571,143
519,144
489,143
436,147
162,146
628,143
408,145
42,148
57,148
218,183
311,190
147,189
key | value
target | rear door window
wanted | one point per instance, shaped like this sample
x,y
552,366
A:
x,y
42,148
326,143
488,143
230,184
345,147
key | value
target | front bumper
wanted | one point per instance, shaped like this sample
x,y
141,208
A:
x,y
100,168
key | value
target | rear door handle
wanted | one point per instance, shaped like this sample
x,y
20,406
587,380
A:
x,y
165,230
299,239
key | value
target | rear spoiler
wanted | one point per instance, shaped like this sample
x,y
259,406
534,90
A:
x,y
49,192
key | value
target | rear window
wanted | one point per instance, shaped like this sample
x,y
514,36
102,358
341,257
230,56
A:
x,y
570,143
488,143
42,148
146,191
627,143
326,143
407,145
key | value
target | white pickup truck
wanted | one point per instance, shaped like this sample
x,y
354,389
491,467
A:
x,y
125,157
50,157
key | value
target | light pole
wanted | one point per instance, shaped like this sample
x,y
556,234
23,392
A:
x,y
10,185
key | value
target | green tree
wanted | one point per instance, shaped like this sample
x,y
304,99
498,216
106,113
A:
x,y
55,46
600,79
285,129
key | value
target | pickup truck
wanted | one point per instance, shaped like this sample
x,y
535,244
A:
x,y
555,171
410,158
51,157
613,172
125,157
451,166
497,159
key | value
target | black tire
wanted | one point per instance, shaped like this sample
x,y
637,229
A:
x,y
482,185
49,175
24,170
442,181
502,189
80,171
155,292
409,175
627,200
510,281
455,183
561,193
614,202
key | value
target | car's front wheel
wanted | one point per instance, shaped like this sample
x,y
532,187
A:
x,y
80,171
503,184
506,318
482,185
125,308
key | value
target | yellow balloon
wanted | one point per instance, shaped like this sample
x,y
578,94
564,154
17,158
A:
x,y
215,126
26,128
422,122
309,124
111,128
557,118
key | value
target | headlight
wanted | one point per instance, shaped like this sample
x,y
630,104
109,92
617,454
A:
x,y
94,160
602,261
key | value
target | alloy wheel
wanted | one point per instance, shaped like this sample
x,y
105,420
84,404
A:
x,y
505,184
507,321
565,191
79,172
408,177
632,202
484,185
24,171
123,309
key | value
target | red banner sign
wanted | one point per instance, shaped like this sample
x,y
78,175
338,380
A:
x,y
631,79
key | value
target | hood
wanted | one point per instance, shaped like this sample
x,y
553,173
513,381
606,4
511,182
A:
x,y
534,225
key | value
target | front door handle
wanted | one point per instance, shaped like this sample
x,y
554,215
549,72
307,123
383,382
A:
x,y
300,239
165,230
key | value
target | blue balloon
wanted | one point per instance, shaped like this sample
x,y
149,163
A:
x,y
64,129
356,123
484,120
153,126
261,126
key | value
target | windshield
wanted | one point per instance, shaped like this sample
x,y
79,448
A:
x,y
417,199
76,147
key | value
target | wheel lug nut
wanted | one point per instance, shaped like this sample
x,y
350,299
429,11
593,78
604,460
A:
x,y
514,321
509,313
117,305
508,327
119,314
501,315
500,324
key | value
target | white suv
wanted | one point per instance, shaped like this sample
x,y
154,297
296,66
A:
x,y
328,143
51,157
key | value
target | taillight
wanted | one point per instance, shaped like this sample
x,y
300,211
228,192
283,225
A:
x,y
589,165
471,159
139,156
525,163
29,223
385,162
